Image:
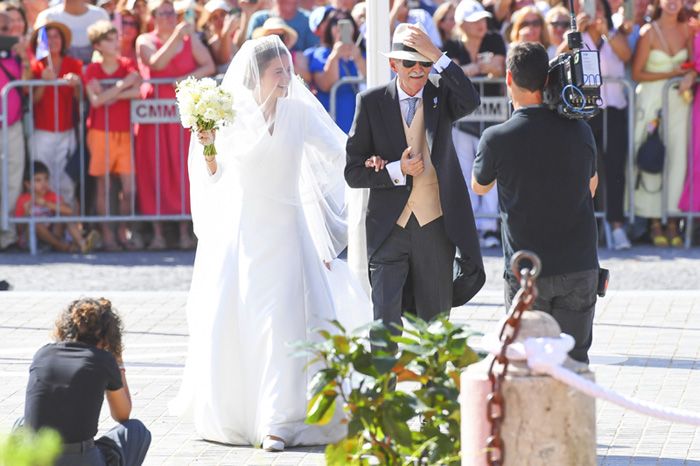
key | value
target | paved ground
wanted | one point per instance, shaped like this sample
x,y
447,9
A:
x,y
647,344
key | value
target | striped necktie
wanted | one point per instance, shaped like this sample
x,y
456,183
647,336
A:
x,y
412,103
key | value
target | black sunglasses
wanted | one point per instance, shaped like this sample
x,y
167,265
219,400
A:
x,y
559,24
412,63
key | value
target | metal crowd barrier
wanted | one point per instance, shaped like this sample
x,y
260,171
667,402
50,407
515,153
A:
x,y
691,214
159,111
333,93
154,111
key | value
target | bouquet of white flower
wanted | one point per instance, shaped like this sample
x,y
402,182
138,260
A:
x,y
204,106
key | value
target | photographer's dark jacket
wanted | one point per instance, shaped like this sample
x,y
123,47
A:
x,y
542,164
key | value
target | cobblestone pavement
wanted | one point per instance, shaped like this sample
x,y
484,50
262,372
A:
x,y
646,344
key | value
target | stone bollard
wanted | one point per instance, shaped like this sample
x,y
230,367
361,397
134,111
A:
x,y
546,423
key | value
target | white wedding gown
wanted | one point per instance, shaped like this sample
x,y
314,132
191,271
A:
x,y
259,282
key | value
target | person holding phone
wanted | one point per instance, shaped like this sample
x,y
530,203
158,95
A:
x,y
610,125
172,50
339,55
219,27
480,53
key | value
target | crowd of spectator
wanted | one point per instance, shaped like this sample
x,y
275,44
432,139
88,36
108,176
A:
x,y
129,42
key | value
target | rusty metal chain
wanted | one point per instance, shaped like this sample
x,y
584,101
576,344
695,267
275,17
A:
x,y
522,301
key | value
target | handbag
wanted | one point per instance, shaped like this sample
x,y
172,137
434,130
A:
x,y
652,153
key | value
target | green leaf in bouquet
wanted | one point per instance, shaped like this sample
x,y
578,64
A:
x,y
383,364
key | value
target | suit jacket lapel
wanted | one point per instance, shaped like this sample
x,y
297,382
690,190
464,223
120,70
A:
x,y
391,115
430,112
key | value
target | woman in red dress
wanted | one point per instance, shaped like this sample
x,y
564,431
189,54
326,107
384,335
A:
x,y
171,51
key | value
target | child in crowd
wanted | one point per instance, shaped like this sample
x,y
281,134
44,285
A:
x,y
109,126
47,204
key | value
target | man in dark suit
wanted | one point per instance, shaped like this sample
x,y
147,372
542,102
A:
x,y
419,214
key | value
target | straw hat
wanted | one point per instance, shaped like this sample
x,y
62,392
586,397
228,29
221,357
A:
x,y
400,51
275,25
62,28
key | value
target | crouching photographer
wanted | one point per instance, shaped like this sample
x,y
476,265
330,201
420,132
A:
x,y
68,381
545,168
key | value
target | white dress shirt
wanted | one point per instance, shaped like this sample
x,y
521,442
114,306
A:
x,y
394,168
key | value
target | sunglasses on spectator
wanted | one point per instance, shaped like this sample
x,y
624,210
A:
x,y
130,23
559,24
534,23
412,63
166,14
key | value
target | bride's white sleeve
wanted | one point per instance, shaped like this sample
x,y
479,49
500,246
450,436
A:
x,y
206,192
322,176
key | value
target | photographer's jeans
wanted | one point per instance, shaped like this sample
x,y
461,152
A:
x,y
15,174
126,444
570,298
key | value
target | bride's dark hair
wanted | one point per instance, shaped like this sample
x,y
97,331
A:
x,y
264,53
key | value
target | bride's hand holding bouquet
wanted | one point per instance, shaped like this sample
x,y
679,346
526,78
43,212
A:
x,y
204,106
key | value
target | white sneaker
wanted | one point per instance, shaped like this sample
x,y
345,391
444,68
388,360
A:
x,y
272,444
620,240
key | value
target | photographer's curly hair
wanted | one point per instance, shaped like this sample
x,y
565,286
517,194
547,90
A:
x,y
91,321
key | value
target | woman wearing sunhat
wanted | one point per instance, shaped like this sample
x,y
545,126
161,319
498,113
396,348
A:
x,y
54,141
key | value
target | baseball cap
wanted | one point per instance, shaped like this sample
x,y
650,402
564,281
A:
x,y
470,11
317,16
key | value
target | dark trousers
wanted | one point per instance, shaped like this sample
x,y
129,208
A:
x,y
425,256
124,445
570,298
612,160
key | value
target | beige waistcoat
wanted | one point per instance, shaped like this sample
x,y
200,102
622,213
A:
x,y
424,201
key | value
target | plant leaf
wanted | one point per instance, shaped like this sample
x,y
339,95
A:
x,y
321,409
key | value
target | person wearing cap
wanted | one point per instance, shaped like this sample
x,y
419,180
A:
x,y
318,19
481,53
78,16
419,213
53,140
296,18
219,30
401,13
334,60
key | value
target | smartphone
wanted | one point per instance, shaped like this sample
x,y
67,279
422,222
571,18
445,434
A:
x,y
629,10
235,12
346,31
6,45
589,7
190,16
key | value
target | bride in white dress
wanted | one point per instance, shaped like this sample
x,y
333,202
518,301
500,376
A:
x,y
268,211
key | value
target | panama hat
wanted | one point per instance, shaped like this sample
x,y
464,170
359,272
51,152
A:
x,y
400,51
63,29
276,25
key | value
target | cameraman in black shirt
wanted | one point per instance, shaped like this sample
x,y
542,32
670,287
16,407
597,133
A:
x,y
68,381
545,167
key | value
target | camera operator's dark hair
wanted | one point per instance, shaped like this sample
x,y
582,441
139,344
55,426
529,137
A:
x,y
333,19
91,321
528,63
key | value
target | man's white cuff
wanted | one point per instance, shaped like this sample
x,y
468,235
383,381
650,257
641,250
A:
x,y
394,170
442,63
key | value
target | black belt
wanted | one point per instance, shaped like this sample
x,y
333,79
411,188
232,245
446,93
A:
x,y
78,447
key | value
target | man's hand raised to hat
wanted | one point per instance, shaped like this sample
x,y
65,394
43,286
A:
x,y
420,41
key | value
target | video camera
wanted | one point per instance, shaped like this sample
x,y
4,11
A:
x,y
574,79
